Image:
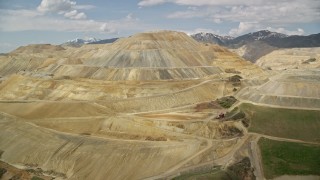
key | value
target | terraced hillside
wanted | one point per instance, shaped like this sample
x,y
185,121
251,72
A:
x,y
291,89
151,106
294,58
164,55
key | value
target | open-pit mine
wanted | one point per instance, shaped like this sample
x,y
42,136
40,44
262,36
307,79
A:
x,y
156,105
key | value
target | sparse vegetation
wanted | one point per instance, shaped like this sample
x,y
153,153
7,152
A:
x,y
229,131
66,77
232,70
235,79
242,169
280,158
227,101
238,115
212,173
207,105
245,122
39,171
2,172
286,123
16,177
235,114
309,61
85,134
36,178
149,138
181,126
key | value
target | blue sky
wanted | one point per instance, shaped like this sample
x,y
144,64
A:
x,y
56,21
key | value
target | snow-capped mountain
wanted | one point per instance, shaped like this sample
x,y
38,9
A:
x,y
211,38
83,41
264,34
104,41
271,38
237,41
79,42
257,44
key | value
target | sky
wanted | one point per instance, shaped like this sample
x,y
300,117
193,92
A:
x,y
24,22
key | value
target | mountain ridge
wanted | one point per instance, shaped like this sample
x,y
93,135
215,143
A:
x,y
79,42
275,39
247,45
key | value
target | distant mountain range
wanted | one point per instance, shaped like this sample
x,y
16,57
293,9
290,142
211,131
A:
x,y
79,42
257,44
212,38
272,38
104,41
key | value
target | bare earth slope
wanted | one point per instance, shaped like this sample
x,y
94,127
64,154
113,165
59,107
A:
x,y
291,59
147,56
293,89
144,107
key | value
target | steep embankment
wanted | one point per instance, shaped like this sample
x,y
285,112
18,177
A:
x,y
291,89
294,58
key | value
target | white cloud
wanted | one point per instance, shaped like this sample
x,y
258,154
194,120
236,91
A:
x,y
244,27
108,28
75,15
199,30
193,8
276,13
299,31
84,7
66,7
201,2
223,2
71,13
215,2
187,14
129,16
217,20
151,2
272,13
56,6
20,13
16,20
